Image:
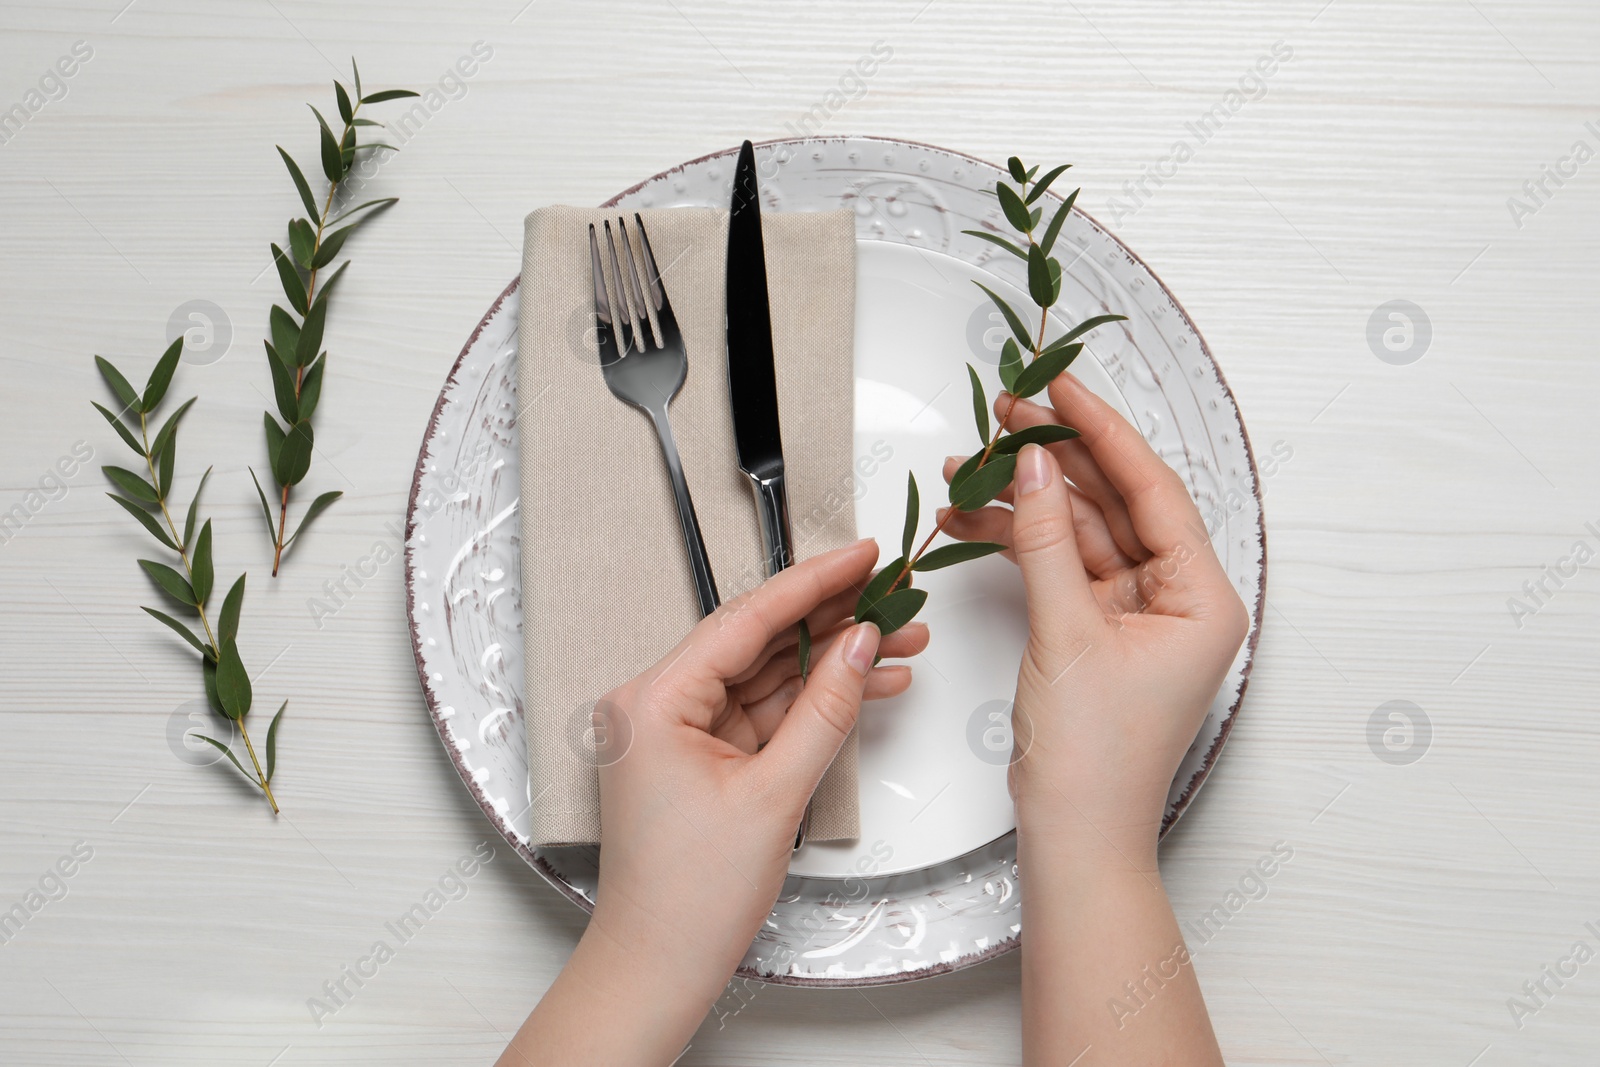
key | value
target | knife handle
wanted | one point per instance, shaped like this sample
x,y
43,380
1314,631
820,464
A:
x,y
772,498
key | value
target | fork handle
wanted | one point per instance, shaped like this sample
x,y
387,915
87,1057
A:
x,y
705,586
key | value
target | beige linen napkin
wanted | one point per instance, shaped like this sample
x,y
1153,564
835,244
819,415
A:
x,y
606,588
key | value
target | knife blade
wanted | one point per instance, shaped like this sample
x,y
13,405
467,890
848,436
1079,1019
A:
x,y
752,380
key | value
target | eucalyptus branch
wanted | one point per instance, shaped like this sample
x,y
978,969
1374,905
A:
x,y
294,351
227,684
889,599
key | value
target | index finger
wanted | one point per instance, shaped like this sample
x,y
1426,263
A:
x,y
1164,515
727,642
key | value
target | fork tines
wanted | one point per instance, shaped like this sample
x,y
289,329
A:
x,y
634,318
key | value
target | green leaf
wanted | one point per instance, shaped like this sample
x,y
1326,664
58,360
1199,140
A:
x,y
364,122
387,94
233,684
896,609
122,431
147,520
984,484
228,618
300,183
1043,370
294,458
1082,328
311,387
1034,216
332,159
266,509
378,144
282,386
169,429
1055,280
355,72
293,287
201,573
343,98
274,441
805,649
996,239
380,204
1011,204
194,508
1056,221
1039,287
960,552
226,751
171,582
132,484
1044,183
310,342
285,332
980,406
208,674
118,383
1019,173
331,243
327,287
272,740
166,460
913,512
302,242
161,376
182,631
1010,363
1012,319
318,506
1044,434
878,587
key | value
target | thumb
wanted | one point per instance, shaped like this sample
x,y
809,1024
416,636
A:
x,y
1061,605
824,714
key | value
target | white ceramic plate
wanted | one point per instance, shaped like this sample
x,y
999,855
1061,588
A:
x,y
930,885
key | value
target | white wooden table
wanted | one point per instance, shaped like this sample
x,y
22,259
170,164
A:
x,y
1409,501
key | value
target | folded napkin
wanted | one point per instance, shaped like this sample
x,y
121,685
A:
x,y
606,587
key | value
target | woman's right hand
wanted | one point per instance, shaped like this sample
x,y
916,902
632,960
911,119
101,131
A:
x,y
1132,622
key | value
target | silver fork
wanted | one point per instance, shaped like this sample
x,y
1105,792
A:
x,y
646,370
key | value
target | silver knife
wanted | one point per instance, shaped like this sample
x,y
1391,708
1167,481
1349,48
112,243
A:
x,y
752,381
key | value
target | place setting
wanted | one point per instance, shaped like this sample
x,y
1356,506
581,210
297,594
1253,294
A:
x,y
738,364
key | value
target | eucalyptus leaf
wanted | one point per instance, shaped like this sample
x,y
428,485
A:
x,y
387,94
293,287
201,574
300,183
960,552
895,610
132,484
171,582
272,740
1043,370
194,508
119,384
122,431
1044,434
332,159
355,72
233,684
983,484
804,650
1039,287
310,340
913,513
980,406
1042,184
1012,205
1010,363
343,99
294,458
182,631
1019,173
302,242
274,442
879,586
161,376
380,204
311,388
266,508
996,239
285,333
166,460
328,251
232,605
169,429
208,675
282,386
364,122
1082,328
1056,221
226,751
147,520
1012,318
326,290
318,506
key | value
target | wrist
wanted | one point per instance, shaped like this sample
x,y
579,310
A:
x,y
1061,832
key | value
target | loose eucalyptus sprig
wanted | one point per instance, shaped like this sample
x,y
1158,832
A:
x,y
889,600
294,351
148,494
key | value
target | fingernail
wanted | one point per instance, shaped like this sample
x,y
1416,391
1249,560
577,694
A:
x,y
958,460
939,514
860,646
1032,472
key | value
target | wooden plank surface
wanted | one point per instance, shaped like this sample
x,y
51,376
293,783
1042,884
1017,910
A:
x,y
1375,163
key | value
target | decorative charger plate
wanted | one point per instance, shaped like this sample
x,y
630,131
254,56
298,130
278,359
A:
x,y
931,885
